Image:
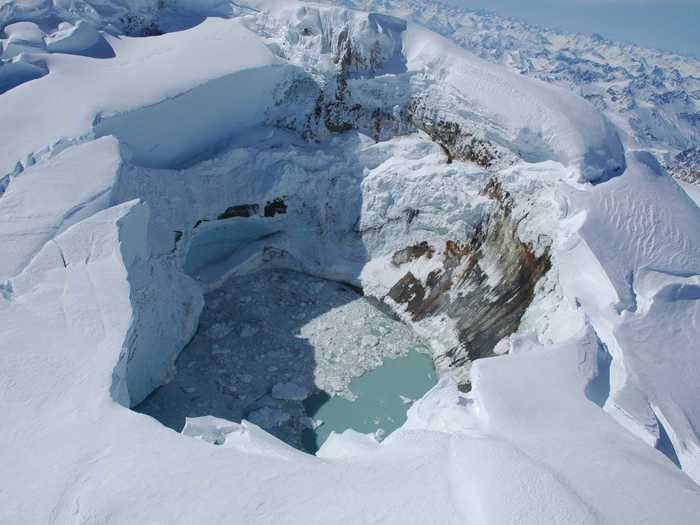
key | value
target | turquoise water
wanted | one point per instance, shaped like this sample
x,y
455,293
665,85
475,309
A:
x,y
384,395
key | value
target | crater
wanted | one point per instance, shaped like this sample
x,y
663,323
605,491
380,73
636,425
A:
x,y
273,202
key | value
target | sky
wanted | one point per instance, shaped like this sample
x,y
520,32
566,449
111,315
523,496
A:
x,y
672,25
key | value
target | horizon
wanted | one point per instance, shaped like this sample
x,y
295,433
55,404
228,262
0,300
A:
x,y
667,26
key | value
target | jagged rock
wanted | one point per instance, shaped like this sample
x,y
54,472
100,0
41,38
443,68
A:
x,y
686,165
274,207
240,210
484,284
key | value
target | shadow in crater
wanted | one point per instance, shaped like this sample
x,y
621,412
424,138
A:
x,y
101,49
312,405
598,389
249,360
665,446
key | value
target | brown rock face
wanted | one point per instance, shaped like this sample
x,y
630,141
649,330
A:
x,y
412,253
485,284
457,142
275,207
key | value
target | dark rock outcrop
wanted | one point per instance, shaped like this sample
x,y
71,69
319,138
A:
x,y
458,143
241,210
275,207
484,284
412,252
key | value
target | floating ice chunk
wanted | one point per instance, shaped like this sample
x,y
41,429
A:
x,y
406,400
289,391
24,31
268,417
209,428
73,38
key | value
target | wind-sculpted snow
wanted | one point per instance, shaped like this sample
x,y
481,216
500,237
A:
x,y
48,197
535,121
641,241
87,88
196,123
354,147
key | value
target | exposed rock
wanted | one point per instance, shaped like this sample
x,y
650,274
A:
x,y
240,210
412,252
409,291
457,143
274,207
137,25
484,284
686,166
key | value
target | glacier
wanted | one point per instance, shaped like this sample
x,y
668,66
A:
x,y
160,161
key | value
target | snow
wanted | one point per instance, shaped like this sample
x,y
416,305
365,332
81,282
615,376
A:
x,y
535,121
693,191
19,69
48,197
640,240
538,121
647,93
111,233
87,88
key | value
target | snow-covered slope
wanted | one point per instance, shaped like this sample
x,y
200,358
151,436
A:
x,y
652,96
492,213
